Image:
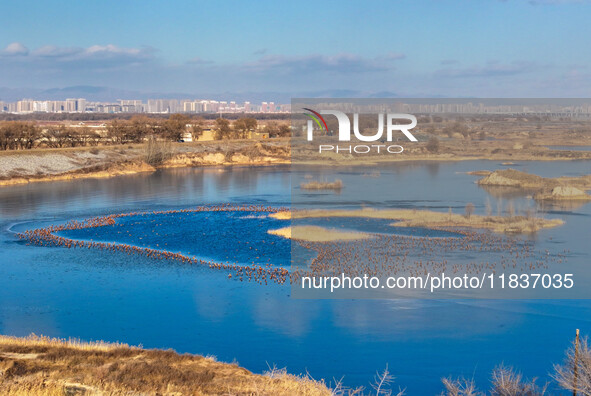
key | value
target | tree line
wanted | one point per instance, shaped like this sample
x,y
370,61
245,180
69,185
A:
x,y
23,135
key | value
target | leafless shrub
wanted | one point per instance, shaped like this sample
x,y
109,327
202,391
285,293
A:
x,y
575,373
508,382
459,387
157,152
383,381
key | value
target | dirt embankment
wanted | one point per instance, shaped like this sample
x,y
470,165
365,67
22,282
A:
x,y
21,167
560,188
47,367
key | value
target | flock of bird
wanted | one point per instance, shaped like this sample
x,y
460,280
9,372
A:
x,y
382,255
392,255
259,273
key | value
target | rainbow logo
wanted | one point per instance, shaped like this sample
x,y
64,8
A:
x,y
317,118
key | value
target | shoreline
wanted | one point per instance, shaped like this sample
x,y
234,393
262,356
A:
x,y
18,167
134,168
125,170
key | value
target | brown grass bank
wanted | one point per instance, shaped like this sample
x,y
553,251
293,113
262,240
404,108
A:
x,y
42,366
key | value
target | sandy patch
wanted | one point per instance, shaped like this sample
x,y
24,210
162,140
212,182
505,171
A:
x,y
318,234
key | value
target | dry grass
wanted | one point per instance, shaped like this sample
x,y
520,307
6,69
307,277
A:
x,y
558,188
318,185
430,219
47,367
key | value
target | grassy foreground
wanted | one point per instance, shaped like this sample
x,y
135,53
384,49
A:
x,y
50,367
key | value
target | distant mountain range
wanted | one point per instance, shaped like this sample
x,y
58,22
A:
x,y
108,94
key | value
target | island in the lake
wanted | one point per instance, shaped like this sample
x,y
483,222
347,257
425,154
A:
x,y
528,223
543,188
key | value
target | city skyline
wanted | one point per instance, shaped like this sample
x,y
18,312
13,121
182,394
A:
x,y
482,106
431,48
154,106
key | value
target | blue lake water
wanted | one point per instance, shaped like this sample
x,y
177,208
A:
x,y
94,294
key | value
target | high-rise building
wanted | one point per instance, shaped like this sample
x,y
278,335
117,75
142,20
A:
x,y
24,106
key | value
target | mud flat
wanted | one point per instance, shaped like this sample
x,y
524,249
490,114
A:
x,y
47,367
434,220
560,188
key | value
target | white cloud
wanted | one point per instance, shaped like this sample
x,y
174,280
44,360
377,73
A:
x,y
94,57
15,49
316,63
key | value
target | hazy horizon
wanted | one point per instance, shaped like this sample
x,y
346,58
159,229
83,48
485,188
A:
x,y
390,49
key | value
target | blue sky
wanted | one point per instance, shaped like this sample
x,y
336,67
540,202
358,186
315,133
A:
x,y
477,48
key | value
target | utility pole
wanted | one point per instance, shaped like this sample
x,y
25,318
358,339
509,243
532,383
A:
x,y
576,369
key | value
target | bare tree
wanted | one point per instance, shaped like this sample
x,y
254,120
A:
x,y
175,126
140,128
19,135
7,137
28,134
575,373
116,130
197,128
58,137
243,126
223,130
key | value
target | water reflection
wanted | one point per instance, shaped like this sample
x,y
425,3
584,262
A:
x,y
115,297
184,186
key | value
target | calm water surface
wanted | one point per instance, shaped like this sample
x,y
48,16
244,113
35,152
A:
x,y
115,297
